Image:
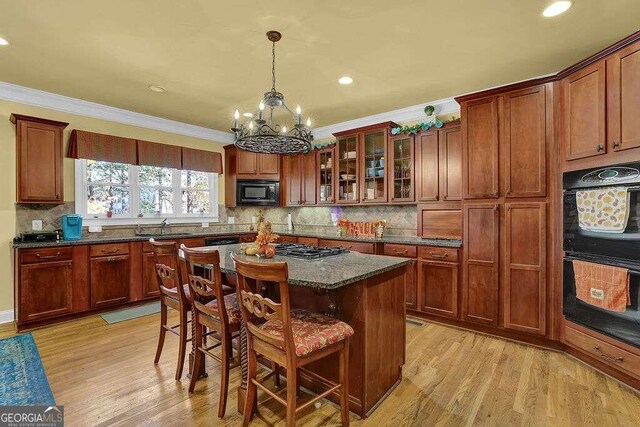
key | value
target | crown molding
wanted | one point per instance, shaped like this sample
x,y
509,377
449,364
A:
x,y
52,101
402,115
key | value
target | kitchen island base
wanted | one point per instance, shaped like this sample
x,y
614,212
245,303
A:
x,y
375,309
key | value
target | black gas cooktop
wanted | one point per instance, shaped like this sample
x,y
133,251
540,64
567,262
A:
x,y
296,250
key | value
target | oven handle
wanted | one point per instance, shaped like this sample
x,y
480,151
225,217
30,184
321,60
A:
x,y
572,258
572,191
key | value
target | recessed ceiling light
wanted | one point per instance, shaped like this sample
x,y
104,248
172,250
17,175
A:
x,y
157,88
247,114
3,42
556,8
345,80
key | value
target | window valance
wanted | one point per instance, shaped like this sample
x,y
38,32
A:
x,y
109,148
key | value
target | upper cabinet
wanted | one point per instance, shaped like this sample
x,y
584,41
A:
x,y
361,164
299,172
258,166
599,107
39,160
480,148
525,142
623,98
439,164
326,190
583,105
401,155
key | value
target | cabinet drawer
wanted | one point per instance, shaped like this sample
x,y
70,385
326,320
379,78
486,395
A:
x,y
607,353
400,250
146,247
194,242
287,239
247,238
438,253
362,247
45,254
109,249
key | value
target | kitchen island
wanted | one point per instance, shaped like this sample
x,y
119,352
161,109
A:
x,y
365,291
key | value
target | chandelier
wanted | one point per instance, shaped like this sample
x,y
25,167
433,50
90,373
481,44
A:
x,y
259,134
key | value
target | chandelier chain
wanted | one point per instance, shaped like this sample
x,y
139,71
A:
x,y
273,66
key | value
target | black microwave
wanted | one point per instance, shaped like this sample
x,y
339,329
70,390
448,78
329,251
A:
x,y
257,193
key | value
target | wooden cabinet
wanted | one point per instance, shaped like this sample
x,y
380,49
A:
x,y
257,165
525,267
480,172
440,221
361,162
525,142
326,190
401,157
450,152
411,276
583,105
300,175
150,287
428,160
348,152
109,278
439,287
623,98
481,263
287,239
373,166
46,290
439,164
39,160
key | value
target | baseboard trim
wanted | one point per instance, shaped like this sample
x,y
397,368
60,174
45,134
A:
x,y
6,316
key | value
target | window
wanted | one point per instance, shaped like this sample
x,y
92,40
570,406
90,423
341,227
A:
x,y
116,192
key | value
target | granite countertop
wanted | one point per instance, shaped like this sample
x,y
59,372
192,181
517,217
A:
x,y
405,240
325,273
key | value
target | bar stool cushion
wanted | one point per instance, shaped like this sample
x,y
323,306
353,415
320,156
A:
x,y
311,331
234,313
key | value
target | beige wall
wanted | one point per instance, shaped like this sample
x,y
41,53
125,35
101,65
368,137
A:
x,y
8,171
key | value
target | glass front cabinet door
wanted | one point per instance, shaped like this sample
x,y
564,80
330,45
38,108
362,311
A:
x,y
401,168
347,172
373,166
325,168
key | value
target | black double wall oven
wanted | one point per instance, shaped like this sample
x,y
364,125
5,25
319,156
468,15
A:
x,y
617,244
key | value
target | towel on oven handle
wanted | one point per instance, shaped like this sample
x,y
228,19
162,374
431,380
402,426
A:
x,y
603,286
604,210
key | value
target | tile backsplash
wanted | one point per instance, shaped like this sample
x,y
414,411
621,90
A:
x,y
401,220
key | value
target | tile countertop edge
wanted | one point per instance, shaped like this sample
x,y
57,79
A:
x,y
401,240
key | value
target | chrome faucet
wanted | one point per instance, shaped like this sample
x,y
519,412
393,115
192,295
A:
x,y
163,225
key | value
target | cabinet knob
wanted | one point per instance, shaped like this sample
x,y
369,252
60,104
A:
x,y
599,148
616,144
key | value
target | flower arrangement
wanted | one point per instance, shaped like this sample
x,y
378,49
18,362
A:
x,y
264,240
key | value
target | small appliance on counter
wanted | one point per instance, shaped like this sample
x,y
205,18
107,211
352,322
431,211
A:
x,y
38,236
71,227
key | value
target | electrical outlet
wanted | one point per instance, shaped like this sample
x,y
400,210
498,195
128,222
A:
x,y
36,224
231,220
95,228
205,225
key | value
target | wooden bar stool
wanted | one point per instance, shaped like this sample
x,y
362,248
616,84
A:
x,y
173,293
290,338
216,311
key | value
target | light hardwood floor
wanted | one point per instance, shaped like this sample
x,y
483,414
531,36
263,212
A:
x,y
104,375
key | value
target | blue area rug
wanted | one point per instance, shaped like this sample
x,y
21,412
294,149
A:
x,y
131,313
22,377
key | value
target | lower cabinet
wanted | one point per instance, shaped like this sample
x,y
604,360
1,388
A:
x,y
109,278
46,290
411,277
149,279
439,282
480,288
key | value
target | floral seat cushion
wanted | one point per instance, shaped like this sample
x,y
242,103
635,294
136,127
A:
x,y
311,331
234,313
